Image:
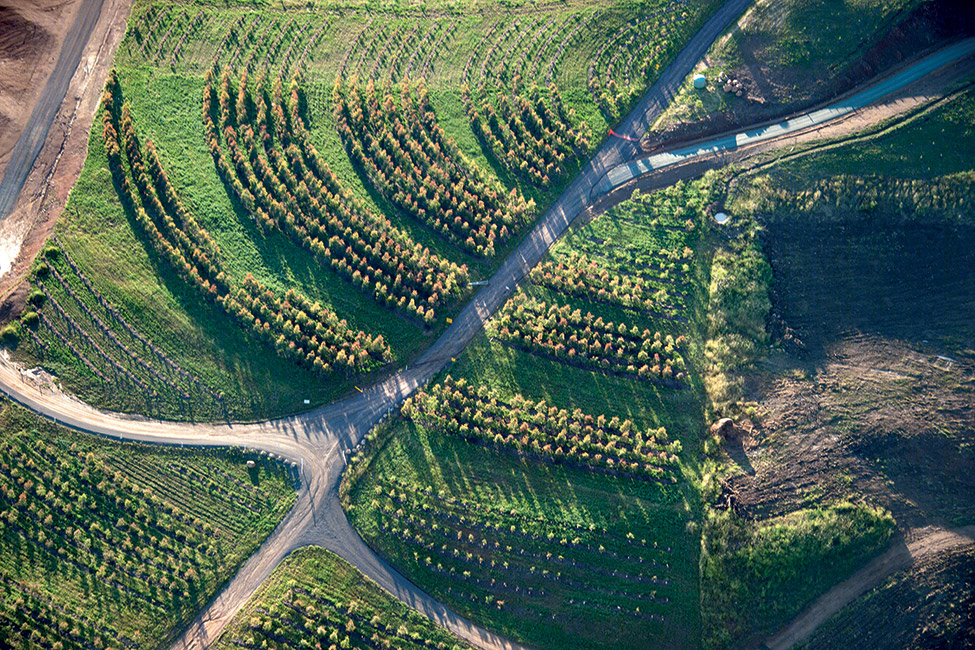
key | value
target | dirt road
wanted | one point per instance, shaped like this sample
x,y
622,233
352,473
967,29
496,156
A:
x,y
899,558
35,131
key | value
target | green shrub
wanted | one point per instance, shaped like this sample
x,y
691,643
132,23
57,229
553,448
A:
x,y
10,335
30,319
36,297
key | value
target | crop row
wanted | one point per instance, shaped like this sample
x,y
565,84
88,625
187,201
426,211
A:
x,y
531,138
89,547
149,25
78,513
114,314
306,332
508,566
638,44
577,275
278,177
28,620
563,332
488,570
459,408
524,134
574,542
106,359
411,162
108,334
315,618
75,352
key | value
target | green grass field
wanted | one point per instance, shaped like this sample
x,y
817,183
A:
x,y
757,576
316,599
109,545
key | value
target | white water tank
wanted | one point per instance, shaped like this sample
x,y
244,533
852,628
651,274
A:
x,y
700,81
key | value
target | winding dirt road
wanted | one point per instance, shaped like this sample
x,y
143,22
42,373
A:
x,y
319,440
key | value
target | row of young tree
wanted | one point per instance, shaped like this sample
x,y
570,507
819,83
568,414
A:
x,y
507,560
525,523
313,617
620,68
306,332
531,138
577,275
457,407
98,525
480,562
413,164
564,332
278,177
112,313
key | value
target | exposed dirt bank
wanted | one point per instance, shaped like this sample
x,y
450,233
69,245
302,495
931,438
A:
x,y
26,228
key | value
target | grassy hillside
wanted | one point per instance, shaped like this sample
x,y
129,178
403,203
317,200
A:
x,y
108,545
757,576
297,183
315,598
929,605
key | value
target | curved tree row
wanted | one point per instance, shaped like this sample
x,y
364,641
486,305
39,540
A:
x,y
306,332
529,132
579,276
412,163
279,178
566,333
619,70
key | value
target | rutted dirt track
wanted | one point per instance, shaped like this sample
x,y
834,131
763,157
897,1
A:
x,y
319,439
899,558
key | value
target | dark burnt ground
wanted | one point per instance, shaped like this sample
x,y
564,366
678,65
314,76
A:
x,y
907,282
929,607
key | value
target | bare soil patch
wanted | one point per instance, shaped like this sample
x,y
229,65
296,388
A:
x,y
874,419
19,37
57,167
31,33
883,405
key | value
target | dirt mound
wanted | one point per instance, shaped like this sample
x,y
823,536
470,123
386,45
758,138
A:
x,y
21,38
